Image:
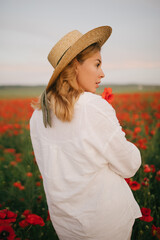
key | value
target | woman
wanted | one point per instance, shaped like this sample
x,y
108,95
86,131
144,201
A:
x,y
80,148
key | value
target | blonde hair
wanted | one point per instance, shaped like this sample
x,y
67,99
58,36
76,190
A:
x,y
65,91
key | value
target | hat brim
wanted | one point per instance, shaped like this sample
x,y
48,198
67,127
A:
x,y
100,35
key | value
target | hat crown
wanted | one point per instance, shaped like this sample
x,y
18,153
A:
x,y
61,47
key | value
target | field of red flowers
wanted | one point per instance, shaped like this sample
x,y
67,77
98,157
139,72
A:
x,y
23,209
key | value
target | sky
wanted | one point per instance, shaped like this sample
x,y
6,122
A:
x,y
29,29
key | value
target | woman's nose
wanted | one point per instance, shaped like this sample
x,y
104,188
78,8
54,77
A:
x,y
102,75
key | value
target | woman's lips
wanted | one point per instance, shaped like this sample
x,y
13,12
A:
x,y
97,84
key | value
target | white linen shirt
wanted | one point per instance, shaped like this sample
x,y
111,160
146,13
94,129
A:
x,y
83,164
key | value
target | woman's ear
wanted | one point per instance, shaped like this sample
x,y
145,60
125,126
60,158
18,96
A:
x,y
76,66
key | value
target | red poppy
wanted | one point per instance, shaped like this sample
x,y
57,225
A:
x,y
153,132
39,198
147,168
137,130
146,129
157,115
18,157
146,215
35,220
14,109
158,125
145,182
10,150
156,231
141,143
145,116
7,216
18,185
13,163
21,199
38,184
128,180
23,223
135,116
153,169
158,176
7,232
26,212
134,185
48,217
31,219
107,95
29,174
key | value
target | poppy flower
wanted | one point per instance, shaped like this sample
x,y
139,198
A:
x,y
26,212
134,185
158,125
137,130
18,185
153,132
156,231
35,220
13,163
146,215
146,129
31,219
7,232
145,116
7,216
145,182
128,180
23,223
153,169
18,157
157,115
38,184
39,198
107,95
141,143
147,168
48,217
10,150
158,176
29,174
21,199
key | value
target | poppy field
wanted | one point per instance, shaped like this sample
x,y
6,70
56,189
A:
x,y
23,209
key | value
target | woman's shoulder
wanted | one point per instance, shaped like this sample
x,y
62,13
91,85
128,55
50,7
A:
x,y
36,116
95,101
98,109
88,96
36,113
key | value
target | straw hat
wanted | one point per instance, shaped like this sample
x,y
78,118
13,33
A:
x,y
71,45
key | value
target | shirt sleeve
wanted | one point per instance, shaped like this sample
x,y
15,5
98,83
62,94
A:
x,y
122,156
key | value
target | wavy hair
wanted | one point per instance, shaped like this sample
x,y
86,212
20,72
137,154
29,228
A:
x,y
65,91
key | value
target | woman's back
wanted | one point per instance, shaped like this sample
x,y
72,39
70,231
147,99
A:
x,y
83,176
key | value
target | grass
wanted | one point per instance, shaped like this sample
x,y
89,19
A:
x,y
11,92
138,115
